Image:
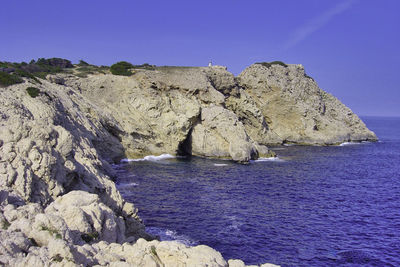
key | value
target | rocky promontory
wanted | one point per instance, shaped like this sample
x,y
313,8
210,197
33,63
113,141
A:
x,y
60,131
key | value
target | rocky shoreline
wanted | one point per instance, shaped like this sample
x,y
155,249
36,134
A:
x,y
58,202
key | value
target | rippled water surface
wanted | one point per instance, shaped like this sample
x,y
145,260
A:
x,y
317,206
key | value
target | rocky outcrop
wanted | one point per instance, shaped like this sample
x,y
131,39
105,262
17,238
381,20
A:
x,y
162,110
58,202
173,110
55,143
296,110
77,229
220,134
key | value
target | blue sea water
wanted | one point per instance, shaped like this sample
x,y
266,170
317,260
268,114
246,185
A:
x,y
316,206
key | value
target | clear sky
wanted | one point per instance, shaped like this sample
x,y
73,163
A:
x,y
350,47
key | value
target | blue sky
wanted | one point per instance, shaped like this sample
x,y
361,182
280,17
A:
x,y
350,47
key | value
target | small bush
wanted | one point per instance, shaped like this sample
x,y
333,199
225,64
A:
x,y
269,64
121,68
83,63
278,63
3,64
5,225
55,64
265,64
9,79
51,230
57,258
309,77
33,242
145,66
33,91
41,75
22,73
89,237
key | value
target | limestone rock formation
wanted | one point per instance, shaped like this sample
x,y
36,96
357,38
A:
x,y
221,134
58,202
77,229
296,110
51,144
165,111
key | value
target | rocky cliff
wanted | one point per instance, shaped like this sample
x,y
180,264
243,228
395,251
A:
x,y
173,110
58,201
296,110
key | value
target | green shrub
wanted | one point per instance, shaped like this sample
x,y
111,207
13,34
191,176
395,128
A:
x,y
57,258
83,63
33,242
33,91
54,62
145,66
3,64
22,73
309,77
278,63
5,225
121,68
269,64
265,64
41,75
45,228
89,237
9,79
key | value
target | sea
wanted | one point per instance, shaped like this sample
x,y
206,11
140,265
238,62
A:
x,y
310,206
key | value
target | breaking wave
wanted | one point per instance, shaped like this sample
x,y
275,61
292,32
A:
x,y
349,143
151,158
276,159
170,235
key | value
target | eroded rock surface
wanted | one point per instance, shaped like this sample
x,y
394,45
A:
x,y
296,110
58,202
56,143
78,229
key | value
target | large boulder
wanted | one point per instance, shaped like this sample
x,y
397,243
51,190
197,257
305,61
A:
x,y
84,214
221,135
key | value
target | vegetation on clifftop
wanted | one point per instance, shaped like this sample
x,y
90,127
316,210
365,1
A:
x,y
9,79
269,64
121,68
33,91
12,73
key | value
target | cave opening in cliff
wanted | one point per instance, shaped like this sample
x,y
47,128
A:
x,y
185,147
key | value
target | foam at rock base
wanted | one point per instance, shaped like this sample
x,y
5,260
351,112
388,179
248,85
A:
x,y
276,159
151,158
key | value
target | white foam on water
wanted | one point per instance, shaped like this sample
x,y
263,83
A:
x,y
220,164
276,159
289,144
151,158
349,143
127,185
170,235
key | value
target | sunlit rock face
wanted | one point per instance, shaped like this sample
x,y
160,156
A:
x,y
297,110
58,201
